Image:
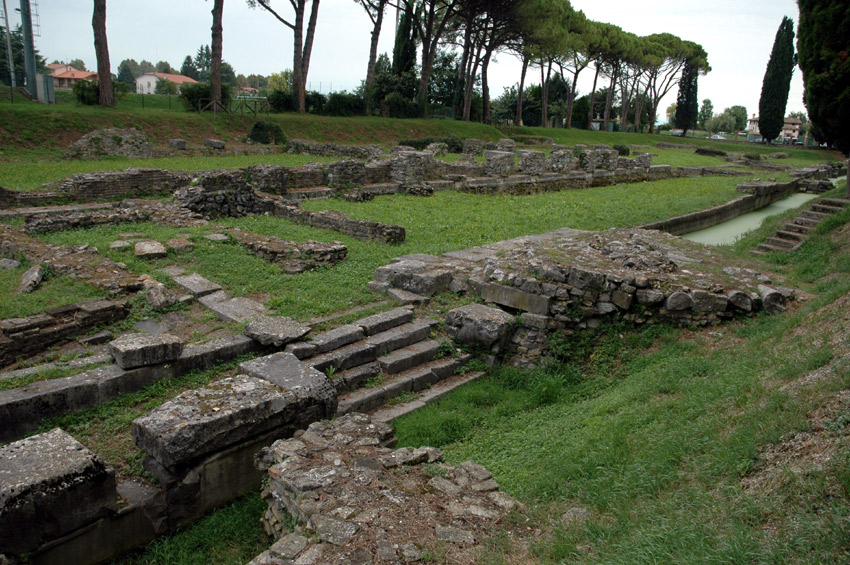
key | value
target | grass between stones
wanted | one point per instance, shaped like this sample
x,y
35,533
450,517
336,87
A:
x,y
445,222
655,432
55,291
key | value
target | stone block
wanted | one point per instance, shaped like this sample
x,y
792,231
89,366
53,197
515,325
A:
x,y
214,143
139,350
409,357
237,309
206,420
406,297
740,300
473,147
275,330
499,163
532,162
772,300
9,264
401,336
150,250
515,298
180,245
679,301
337,337
427,283
479,324
287,372
385,320
345,357
31,279
177,143
196,284
649,296
50,485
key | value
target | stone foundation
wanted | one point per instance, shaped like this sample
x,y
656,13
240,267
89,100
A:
x,y
25,337
293,257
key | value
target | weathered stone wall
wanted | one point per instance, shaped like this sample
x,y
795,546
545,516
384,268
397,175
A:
x,y
129,183
410,167
759,195
293,257
344,482
80,220
346,173
24,337
364,152
337,221
113,142
222,193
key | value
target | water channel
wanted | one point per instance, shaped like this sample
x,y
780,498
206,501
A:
x,y
730,231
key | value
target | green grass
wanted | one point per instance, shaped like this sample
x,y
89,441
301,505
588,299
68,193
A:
x,y
230,535
445,222
652,431
52,293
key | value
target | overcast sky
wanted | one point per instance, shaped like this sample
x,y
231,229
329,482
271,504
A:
x,y
738,36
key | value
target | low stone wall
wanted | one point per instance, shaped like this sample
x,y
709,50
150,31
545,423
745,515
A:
x,y
24,337
760,195
363,502
222,193
293,257
81,220
337,221
304,146
569,280
129,183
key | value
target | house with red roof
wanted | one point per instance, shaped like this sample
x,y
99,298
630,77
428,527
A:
x,y
146,83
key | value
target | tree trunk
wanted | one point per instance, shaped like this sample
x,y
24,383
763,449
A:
x,y
298,81
308,49
592,96
470,84
216,48
373,54
847,188
485,88
571,99
544,94
519,93
106,96
609,100
460,88
639,102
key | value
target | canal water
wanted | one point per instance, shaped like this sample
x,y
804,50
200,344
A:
x,y
730,231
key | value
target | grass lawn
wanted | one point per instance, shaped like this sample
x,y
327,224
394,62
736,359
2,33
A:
x,y
444,222
658,433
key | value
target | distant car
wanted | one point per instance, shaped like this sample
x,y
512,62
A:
x,y
718,137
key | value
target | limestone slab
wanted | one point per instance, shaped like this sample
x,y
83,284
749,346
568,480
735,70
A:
x,y
50,485
515,298
385,320
478,324
202,421
196,284
337,337
237,309
275,330
287,372
139,350
150,250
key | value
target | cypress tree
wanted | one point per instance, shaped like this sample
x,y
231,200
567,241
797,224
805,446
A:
x,y
824,60
687,105
777,82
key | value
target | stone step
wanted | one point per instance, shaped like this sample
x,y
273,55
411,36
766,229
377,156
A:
x,y
385,321
196,285
409,357
779,242
797,228
842,202
814,215
344,358
402,336
789,235
312,193
826,208
808,222
765,248
412,380
440,389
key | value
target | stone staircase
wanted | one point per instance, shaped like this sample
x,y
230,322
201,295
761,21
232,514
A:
x,y
379,358
792,235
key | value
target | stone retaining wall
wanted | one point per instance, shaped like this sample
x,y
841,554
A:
x,y
337,221
129,183
760,195
24,337
304,146
293,257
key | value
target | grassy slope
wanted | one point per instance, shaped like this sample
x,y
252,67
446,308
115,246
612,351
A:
x,y
654,433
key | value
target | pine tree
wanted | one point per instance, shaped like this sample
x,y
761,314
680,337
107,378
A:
x,y
687,104
825,63
777,82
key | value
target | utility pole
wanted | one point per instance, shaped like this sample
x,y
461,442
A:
x,y
29,48
9,44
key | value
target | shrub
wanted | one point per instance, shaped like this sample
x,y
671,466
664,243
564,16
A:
x,y
753,156
314,102
622,150
453,144
344,104
710,151
281,101
86,92
397,106
197,95
267,132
